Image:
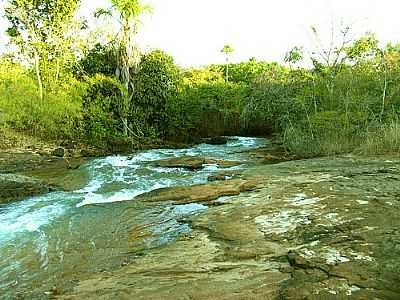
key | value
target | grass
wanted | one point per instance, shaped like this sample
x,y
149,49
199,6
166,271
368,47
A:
x,y
384,140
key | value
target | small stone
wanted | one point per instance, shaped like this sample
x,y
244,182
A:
x,y
59,152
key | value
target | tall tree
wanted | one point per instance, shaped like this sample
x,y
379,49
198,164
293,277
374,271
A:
x,y
128,13
227,50
40,29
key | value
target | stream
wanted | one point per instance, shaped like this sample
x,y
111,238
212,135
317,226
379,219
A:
x,y
57,239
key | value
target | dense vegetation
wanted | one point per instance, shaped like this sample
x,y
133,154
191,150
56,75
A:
x,y
347,98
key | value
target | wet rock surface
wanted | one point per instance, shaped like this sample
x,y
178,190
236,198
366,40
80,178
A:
x,y
186,162
19,162
25,174
207,193
14,187
194,163
313,229
224,175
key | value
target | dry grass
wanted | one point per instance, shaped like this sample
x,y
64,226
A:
x,y
385,140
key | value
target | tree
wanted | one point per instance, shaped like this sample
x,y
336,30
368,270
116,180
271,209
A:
x,y
128,13
227,50
100,59
156,83
294,56
40,29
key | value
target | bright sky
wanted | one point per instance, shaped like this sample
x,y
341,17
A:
x,y
194,31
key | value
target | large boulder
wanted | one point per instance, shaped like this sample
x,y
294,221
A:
x,y
14,187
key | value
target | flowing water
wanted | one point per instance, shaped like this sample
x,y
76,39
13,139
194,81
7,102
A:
x,y
54,240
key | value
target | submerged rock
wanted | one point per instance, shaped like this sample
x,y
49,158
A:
x,y
14,187
217,140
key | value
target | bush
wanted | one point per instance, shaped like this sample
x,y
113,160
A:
x,y
206,109
57,116
156,83
101,59
101,117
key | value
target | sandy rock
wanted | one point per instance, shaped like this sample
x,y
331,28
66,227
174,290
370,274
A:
x,y
186,162
223,163
199,193
224,175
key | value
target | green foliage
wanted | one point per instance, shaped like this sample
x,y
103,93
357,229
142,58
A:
x,y
21,108
101,59
156,83
363,48
348,100
227,49
206,109
252,71
130,8
42,31
294,56
212,74
101,117
46,16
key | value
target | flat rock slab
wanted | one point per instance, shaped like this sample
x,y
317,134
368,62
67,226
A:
x,y
194,163
14,187
186,162
201,192
324,228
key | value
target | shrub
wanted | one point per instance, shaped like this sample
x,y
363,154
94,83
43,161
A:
x,y
57,116
156,83
100,109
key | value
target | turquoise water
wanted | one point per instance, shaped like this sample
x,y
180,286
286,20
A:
x,y
59,238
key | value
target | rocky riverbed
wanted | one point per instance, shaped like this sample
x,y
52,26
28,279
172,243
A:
x,y
314,229
325,228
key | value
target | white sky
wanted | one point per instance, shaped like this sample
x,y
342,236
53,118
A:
x,y
194,31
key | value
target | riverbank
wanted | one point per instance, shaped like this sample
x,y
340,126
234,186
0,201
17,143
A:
x,y
315,229
49,165
42,166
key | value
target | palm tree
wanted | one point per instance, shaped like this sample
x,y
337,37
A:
x,y
227,50
128,13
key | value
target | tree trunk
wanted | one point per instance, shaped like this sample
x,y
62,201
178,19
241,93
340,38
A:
x,y
38,76
384,87
57,70
127,63
227,69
